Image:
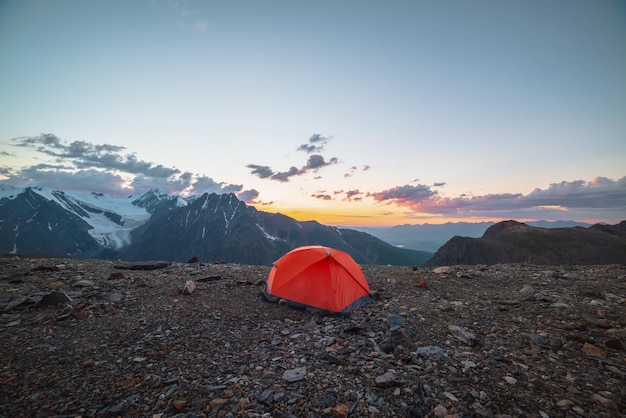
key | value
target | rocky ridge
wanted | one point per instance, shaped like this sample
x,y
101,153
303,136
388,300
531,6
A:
x,y
98,338
516,242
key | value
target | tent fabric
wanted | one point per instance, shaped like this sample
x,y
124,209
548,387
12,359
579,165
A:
x,y
319,277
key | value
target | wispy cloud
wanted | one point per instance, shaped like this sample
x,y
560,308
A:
x,y
314,163
353,195
201,25
316,143
350,173
322,196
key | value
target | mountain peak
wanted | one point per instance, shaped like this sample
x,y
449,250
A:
x,y
150,199
506,227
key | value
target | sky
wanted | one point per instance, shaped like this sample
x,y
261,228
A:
x,y
352,112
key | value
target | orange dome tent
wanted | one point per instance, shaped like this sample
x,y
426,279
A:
x,y
319,277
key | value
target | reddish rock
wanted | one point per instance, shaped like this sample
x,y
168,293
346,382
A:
x,y
421,283
339,411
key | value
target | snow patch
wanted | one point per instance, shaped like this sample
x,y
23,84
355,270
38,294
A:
x,y
267,235
104,230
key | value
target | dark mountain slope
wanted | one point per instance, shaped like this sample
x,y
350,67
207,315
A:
x,y
514,242
37,225
221,227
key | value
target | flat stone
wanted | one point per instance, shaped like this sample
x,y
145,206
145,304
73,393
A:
x,y
593,350
84,283
294,375
52,299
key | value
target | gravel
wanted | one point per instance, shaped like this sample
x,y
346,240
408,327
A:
x,y
96,338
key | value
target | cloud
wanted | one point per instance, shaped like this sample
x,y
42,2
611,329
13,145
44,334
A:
x,y
314,163
316,143
322,196
284,175
201,25
86,155
172,185
406,195
599,193
354,169
106,168
45,175
352,195
351,172
248,196
262,171
204,184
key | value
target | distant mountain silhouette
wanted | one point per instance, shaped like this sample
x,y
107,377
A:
x,y
159,226
515,242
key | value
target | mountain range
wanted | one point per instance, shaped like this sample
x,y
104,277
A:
x,y
159,226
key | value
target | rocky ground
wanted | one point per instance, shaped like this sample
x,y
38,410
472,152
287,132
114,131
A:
x,y
101,338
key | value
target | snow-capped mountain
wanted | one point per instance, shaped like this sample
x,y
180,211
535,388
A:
x,y
109,219
159,226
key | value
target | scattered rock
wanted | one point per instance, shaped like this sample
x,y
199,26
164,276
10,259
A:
x,y
463,335
440,411
421,283
189,288
593,350
464,275
133,346
294,375
339,411
510,380
83,283
386,380
52,299
527,289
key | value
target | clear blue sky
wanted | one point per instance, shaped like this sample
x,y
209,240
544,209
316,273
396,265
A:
x,y
348,112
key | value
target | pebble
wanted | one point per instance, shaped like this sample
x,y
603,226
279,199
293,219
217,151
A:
x,y
189,288
440,411
386,380
510,380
